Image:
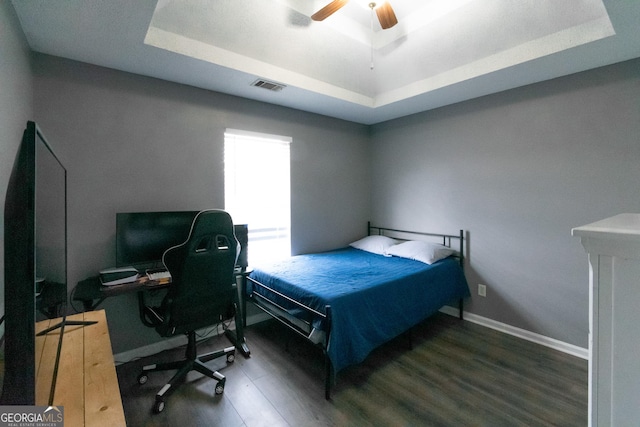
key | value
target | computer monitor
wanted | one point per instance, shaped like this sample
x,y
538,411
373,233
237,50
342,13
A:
x,y
142,237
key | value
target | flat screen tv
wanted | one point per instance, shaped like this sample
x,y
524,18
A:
x,y
35,253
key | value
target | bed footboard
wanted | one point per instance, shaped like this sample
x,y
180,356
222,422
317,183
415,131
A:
x,y
299,326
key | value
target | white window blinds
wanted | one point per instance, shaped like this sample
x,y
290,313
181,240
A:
x,y
257,191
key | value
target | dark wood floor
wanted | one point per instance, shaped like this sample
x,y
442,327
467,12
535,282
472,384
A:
x,y
456,374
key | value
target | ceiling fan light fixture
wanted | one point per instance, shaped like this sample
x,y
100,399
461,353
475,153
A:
x,y
368,4
383,9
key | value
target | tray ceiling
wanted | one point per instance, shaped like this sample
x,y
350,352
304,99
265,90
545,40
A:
x,y
440,52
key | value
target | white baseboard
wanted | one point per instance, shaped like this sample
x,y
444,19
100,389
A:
x,y
148,350
553,343
174,342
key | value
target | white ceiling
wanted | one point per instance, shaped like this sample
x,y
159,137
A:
x,y
441,51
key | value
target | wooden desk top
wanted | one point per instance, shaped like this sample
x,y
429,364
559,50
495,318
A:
x,y
87,384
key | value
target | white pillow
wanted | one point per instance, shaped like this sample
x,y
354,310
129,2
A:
x,y
375,244
426,252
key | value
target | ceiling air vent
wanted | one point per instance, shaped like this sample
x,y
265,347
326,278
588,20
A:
x,y
265,84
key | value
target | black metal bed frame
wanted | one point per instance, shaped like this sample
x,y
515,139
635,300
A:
x,y
446,241
279,313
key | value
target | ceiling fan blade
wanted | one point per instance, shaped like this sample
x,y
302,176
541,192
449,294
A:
x,y
328,10
386,16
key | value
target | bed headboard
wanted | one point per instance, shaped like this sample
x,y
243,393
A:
x,y
444,239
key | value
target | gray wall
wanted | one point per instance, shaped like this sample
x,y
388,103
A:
x,y
518,170
132,143
16,106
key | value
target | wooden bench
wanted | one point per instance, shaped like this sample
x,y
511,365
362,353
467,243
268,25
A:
x,y
87,385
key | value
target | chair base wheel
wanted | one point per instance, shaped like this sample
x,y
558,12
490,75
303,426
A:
x,y
220,387
142,378
158,406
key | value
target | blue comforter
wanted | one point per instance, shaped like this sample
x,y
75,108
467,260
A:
x,y
373,298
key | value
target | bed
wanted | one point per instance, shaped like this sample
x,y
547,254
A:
x,y
351,300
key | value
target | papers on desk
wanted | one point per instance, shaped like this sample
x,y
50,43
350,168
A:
x,y
159,275
118,276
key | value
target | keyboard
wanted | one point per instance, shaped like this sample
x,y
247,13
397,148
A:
x,y
157,275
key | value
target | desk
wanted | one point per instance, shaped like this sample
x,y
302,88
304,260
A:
x,y
92,293
87,385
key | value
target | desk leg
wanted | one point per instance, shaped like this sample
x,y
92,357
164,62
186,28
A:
x,y
241,295
240,343
237,336
141,311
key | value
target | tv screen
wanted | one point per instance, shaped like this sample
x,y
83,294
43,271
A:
x,y
35,247
50,217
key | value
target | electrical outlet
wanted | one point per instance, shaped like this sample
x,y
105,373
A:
x,y
482,290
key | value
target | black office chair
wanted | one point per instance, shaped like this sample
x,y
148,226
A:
x,y
202,293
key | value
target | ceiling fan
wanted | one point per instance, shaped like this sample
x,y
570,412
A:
x,y
385,12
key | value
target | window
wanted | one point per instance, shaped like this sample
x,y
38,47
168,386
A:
x,y
257,191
